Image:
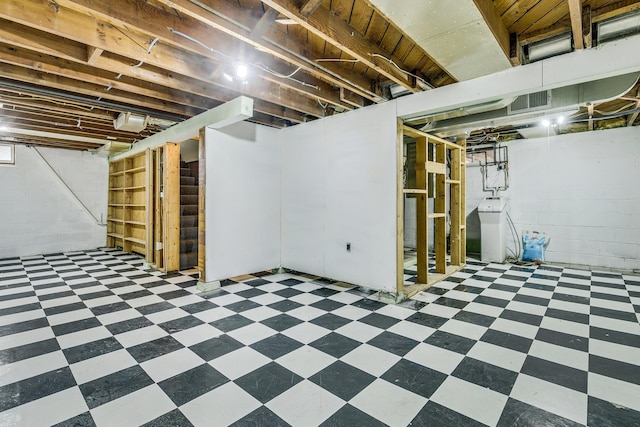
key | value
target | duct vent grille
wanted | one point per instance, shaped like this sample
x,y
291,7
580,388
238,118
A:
x,y
530,102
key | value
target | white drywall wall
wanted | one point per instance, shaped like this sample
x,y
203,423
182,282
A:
x,y
581,189
242,200
39,215
338,187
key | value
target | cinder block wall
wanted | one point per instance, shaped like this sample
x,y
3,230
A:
x,y
581,189
39,215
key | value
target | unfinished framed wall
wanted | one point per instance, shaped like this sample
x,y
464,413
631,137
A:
x,y
441,163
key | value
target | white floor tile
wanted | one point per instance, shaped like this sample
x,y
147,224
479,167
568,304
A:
x,y
306,313
10,319
220,407
395,311
82,337
434,357
170,364
27,368
623,353
268,298
306,361
305,404
138,336
167,315
371,359
471,400
615,391
118,316
100,366
359,331
412,330
440,310
517,328
615,324
214,314
306,332
197,334
134,409
562,355
551,397
523,307
498,356
240,362
391,404
351,312
46,411
465,329
260,313
252,333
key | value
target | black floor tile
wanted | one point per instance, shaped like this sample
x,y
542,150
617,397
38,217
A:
x,y
335,344
379,320
288,292
327,305
469,289
281,322
228,324
556,373
27,325
268,381
506,340
193,383
324,292
26,351
92,349
78,325
450,302
216,347
518,316
136,294
352,417
276,346
330,321
496,302
558,295
30,389
155,308
155,348
486,375
290,282
450,342
173,418
520,414
427,320
181,324
111,387
614,369
474,318
393,343
610,297
601,413
285,305
565,340
506,288
568,315
241,306
259,418
433,414
129,325
531,300
94,295
250,293
83,420
414,377
614,336
368,304
614,314
343,380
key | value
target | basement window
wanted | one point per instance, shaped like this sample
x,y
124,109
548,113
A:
x,y
7,154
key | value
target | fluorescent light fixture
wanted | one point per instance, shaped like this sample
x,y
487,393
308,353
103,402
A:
x,y
227,76
550,47
396,90
241,71
618,27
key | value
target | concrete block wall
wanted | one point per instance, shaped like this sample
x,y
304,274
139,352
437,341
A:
x,y
38,213
581,189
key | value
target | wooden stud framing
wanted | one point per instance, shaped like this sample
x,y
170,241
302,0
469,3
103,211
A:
x,y
157,209
463,203
171,206
426,165
422,210
399,207
202,181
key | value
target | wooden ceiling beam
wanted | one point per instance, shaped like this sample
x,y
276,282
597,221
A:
x,y
141,17
493,20
587,27
556,29
614,9
48,142
93,53
231,19
575,13
340,34
309,6
174,60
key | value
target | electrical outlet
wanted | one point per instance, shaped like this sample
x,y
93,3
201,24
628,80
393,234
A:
x,y
348,247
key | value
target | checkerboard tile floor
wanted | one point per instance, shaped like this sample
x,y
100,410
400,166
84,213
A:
x,y
91,338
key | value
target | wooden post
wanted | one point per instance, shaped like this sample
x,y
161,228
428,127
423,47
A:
x,y
463,201
454,233
202,180
171,206
399,207
422,210
440,222
157,209
148,212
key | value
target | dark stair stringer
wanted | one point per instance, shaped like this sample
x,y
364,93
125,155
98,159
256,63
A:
x,y
188,219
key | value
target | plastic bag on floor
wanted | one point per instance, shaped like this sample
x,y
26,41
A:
x,y
534,245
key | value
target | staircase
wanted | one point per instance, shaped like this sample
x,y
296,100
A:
x,y
188,219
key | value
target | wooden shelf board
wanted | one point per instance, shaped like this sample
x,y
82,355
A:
x,y
115,220
138,169
137,187
115,235
134,240
135,222
116,204
135,206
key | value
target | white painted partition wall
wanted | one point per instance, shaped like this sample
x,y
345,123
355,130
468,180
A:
x,y
242,200
581,189
39,215
338,187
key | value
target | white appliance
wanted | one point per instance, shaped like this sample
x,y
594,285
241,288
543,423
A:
x,y
493,229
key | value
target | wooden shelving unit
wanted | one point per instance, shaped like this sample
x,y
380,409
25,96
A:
x,y
128,213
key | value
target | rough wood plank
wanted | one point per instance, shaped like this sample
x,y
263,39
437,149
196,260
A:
x,y
157,209
575,12
422,211
309,7
463,201
440,205
202,207
614,9
93,53
399,207
148,212
587,27
455,208
495,24
265,22
171,206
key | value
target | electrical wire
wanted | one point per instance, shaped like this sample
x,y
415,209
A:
x,y
258,66
376,55
514,233
336,60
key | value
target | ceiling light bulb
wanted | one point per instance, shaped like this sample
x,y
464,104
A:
x,y
560,119
241,71
546,123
